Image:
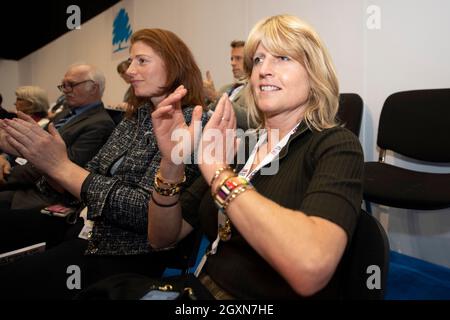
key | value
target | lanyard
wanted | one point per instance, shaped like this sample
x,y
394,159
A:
x,y
245,172
222,219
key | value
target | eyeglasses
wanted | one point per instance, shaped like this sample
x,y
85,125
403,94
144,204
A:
x,y
69,86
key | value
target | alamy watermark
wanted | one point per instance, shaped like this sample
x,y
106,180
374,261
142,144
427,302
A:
x,y
374,280
74,20
373,21
74,280
214,146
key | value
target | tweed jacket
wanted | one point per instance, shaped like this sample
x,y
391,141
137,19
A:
x,y
118,203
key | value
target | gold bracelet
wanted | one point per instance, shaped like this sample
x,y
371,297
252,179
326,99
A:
x,y
160,180
170,192
235,193
218,172
172,189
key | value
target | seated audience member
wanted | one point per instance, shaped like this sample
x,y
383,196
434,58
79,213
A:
x,y
5,114
117,111
281,223
33,101
234,90
121,70
84,127
115,185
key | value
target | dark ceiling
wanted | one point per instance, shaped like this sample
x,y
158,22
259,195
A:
x,y
26,26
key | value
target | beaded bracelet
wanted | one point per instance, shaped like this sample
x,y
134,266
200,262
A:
x,y
230,189
170,192
221,182
235,193
225,189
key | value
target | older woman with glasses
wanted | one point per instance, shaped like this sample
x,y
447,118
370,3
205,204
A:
x,y
33,101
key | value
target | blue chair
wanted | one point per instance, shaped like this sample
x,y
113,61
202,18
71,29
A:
x,y
189,253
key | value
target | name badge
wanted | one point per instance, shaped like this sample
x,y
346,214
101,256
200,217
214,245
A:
x,y
21,161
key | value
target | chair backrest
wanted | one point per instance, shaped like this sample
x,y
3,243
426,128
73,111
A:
x,y
416,124
366,262
116,115
350,111
183,257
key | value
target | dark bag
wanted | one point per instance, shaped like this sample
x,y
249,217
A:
x,y
139,287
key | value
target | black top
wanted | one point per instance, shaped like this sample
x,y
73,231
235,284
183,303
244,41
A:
x,y
320,174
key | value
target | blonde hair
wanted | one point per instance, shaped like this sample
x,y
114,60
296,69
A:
x,y
37,97
288,35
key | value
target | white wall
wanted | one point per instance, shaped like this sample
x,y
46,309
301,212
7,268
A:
x,y
9,80
91,44
409,51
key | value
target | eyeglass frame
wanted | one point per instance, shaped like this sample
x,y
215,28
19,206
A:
x,y
63,86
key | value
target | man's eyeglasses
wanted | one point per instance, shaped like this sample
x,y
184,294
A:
x,y
69,86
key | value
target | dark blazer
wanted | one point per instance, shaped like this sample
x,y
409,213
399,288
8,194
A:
x,y
84,135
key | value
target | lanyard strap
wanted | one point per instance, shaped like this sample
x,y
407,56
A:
x,y
245,172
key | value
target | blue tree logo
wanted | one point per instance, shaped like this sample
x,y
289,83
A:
x,y
122,29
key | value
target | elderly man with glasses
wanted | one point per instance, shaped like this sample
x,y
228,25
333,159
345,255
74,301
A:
x,y
84,126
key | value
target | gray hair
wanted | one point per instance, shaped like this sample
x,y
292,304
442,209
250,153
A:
x,y
94,74
36,96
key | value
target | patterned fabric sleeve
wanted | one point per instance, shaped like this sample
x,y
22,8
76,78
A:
x,y
123,204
